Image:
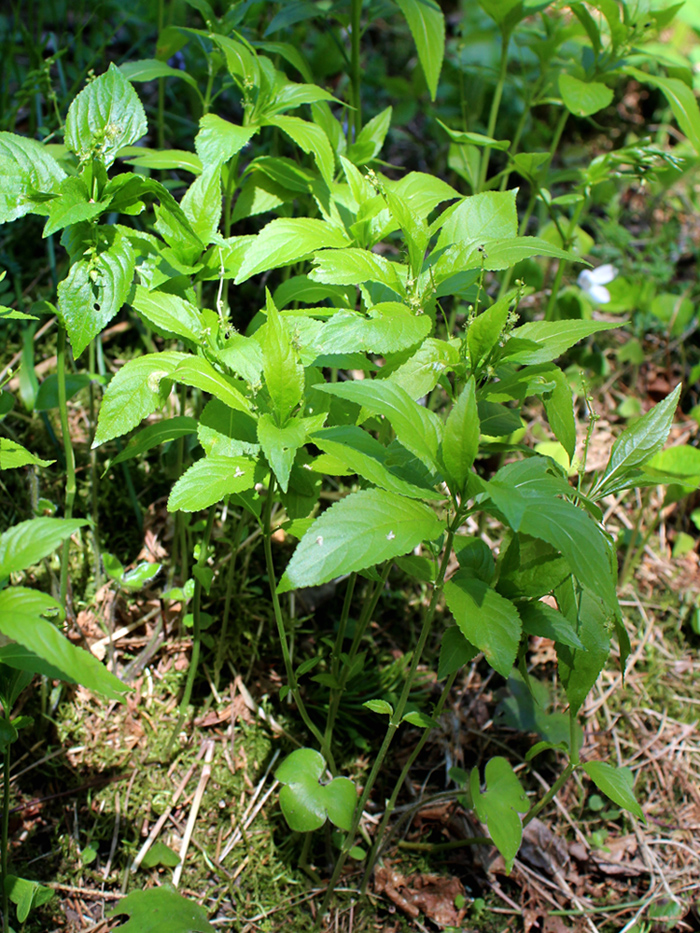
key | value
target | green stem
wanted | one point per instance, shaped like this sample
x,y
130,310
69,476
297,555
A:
x,y
394,723
5,836
196,625
563,264
391,803
69,455
161,83
493,115
551,793
335,659
230,577
94,475
284,644
355,71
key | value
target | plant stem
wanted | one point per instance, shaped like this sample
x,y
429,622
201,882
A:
x,y
394,723
335,659
230,577
277,609
5,836
391,803
355,71
551,793
493,115
70,458
196,625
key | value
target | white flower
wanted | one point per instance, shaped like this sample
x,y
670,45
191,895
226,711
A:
x,y
593,282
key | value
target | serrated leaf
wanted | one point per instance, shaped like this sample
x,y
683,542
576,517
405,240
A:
x,y
286,240
615,783
460,442
105,116
427,24
170,429
455,652
310,139
490,215
280,445
202,205
638,443
283,372
353,266
198,372
553,339
150,69
13,455
487,620
96,288
210,479
27,168
219,140
545,622
21,620
134,393
360,531
72,205
25,544
370,139
168,313
485,331
161,910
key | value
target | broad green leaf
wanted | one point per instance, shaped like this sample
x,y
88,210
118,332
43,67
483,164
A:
x,y
286,240
422,371
134,393
106,115
161,910
280,444
305,802
552,338
47,396
26,895
578,670
96,287
150,69
219,140
162,160
386,328
559,405
474,556
615,783
209,480
354,266
530,567
72,205
487,620
475,139
371,138
197,372
156,434
288,51
637,444
21,620
27,168
540,619
485,331
13,455
201,203
226,432
25,544
583,98
379,706
360,453
168,313
681,99
416,427
244,356
499,806
427,24
497,420
362,530
455,652
291,95
488,216
283,372
310,139
460,442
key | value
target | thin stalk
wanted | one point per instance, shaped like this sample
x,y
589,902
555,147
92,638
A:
x,y
69,455
493,115
391,803
230,577
355,70
94,475
161,83
279,620
5,838
566,242
394,723
335,659
551,793
196,626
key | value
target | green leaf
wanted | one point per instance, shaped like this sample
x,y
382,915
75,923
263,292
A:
x,y
530,567
559,405
47,396
579,670
170,429
455,652
198,372
355,266
487,620
305,802
25,544
168,313
226,432
422,371
362,530
280,445
681,99
162,160
490,215
105,116
210,479
379,706
416,718
219,140
283,372
26,895
540,619
134,393
310,139
73,205
13,455
485,331
637,444
552,337
27,169
583,98
615,783
361,453
21,620
96,287
460,443
161,910
498,807
150,69
370,139
416,427
160,854
201,203
286,240
427,24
